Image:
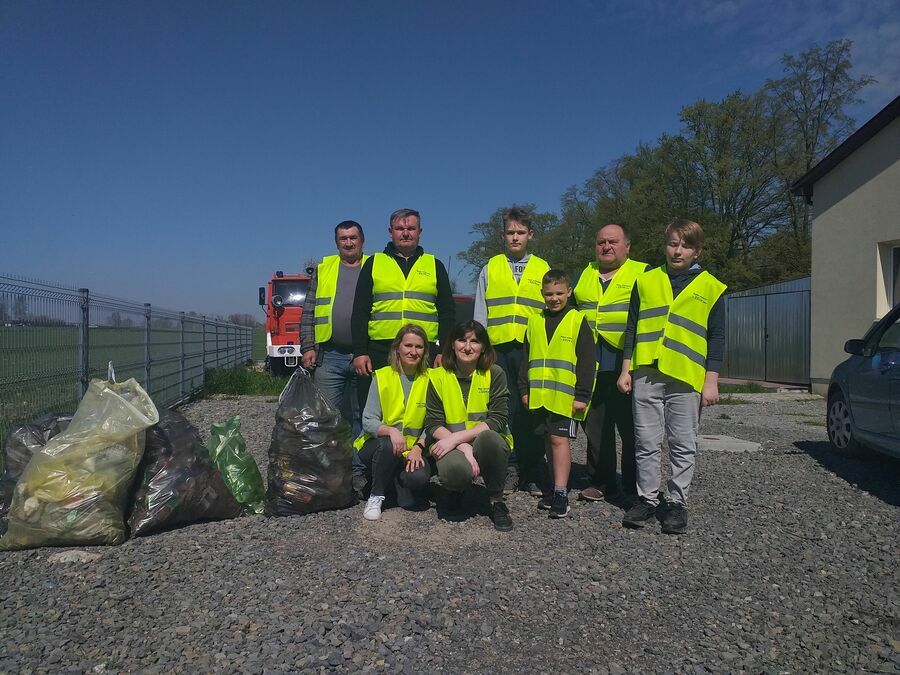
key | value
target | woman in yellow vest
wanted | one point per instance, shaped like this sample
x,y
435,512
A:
x,y
674,345
466,419
392,443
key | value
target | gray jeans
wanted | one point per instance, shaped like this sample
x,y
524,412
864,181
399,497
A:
x,y
662,403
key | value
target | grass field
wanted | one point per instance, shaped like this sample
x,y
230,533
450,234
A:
x,y
40,365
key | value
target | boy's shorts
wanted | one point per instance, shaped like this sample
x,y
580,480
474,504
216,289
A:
x,y
550,424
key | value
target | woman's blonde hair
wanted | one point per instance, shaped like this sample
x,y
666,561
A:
x,y
394,352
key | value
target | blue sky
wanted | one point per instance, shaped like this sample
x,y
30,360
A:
x,y
179,152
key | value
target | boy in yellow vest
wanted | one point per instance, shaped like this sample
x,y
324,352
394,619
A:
x,y
674,346
559,380
507,292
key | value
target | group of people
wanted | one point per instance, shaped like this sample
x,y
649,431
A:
x,y
620,348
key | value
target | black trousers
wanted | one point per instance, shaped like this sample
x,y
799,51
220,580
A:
x,y
378,456
528,453
610,410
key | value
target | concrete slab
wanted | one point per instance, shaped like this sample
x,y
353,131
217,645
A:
x,y
720,443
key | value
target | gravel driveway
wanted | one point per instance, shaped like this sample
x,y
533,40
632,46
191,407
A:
x,y
790,565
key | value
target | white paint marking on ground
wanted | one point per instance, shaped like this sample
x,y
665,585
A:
x,y
719,443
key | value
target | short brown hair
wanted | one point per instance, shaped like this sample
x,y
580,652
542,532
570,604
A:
x,y
519,214
394,351
487,358
400,214
555,276
690,232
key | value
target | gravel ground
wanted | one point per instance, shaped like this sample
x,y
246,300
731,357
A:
x,y
790,565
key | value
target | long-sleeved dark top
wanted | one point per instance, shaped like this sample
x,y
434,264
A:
x,y
362,304
715,329
498,403
585,361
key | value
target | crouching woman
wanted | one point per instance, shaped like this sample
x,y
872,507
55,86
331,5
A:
x,y
466,419
392,443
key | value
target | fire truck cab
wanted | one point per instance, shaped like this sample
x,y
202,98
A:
x,y
282,301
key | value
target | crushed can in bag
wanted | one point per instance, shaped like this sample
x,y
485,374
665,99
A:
x,y
310,454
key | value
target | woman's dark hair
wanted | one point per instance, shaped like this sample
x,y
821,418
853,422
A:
x,y
487,358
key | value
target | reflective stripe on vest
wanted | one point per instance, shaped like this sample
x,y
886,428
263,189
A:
x,y
607,311
459,415
551,366
672,332
405,414
326,286
398,300
509,304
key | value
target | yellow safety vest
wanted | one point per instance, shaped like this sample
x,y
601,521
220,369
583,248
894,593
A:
x,y
509,304
399,300
607,311
326,285
673,332
551,381
460,415
404,414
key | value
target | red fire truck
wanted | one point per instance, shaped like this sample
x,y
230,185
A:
x,y
282,301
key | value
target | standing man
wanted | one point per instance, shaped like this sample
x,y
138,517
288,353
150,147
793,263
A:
x,y
325,324
508,291
401,285
603,293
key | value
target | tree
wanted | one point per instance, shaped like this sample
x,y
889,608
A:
x,y
243,320
20,309
809,117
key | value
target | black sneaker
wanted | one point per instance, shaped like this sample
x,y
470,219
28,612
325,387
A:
x,y
500,517
559,505
675,519
532,488
545,503
639,514
511,484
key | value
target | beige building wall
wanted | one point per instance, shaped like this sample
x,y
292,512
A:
x,y
856,223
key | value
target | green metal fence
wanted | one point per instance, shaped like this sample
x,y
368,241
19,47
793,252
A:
x,y
55,339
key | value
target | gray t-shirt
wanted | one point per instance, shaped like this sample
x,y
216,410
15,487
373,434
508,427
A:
x,y
342,308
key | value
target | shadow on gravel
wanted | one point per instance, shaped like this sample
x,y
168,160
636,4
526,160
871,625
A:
x,y
878,475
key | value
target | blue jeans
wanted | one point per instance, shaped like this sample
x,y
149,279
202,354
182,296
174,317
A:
x,y
336,378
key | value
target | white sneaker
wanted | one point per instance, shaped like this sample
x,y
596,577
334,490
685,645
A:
x,y
373,508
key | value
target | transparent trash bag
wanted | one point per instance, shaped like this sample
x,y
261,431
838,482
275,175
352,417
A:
x,y
228,451
177,483
311,453
74,490
21,443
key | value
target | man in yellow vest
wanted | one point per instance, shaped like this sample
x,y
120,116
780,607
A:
x,y
325,336
602,293
507,292
674,347
401,285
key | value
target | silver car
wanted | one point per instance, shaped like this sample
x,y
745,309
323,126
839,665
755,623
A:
x,y
864,393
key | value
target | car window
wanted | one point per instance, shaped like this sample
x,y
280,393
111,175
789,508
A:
x,y
890,339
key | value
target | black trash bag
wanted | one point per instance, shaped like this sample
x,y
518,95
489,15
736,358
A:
x,y
21,443
310,455
177,483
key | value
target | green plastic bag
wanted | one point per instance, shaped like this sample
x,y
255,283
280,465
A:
x,y
229,453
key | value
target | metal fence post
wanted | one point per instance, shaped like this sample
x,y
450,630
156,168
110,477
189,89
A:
x,y
181,372
84,339
147,347
203,357
218,327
